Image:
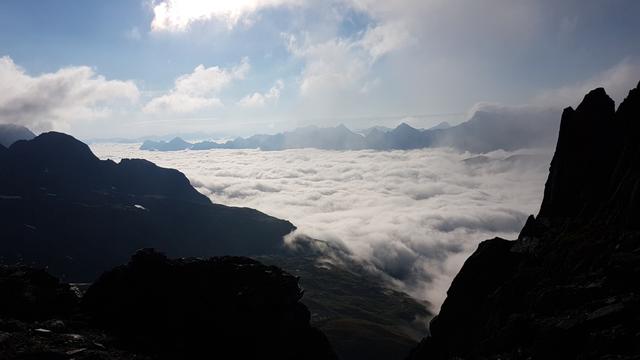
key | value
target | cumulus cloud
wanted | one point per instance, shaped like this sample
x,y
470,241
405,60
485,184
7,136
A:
x,y
344,63
198,90
54,99
258,100
411,216
178,15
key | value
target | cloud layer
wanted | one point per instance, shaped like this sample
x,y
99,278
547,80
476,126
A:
x,y
56,99
413,216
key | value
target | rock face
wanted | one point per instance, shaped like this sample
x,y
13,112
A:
x,y
568,287
10,133
63,208
156,308
31,294
229,307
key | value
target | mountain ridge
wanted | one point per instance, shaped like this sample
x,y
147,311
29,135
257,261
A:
x,y
486,131
567,288
66,210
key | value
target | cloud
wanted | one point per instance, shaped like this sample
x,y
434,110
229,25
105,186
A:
x,y
55,99
411,216
385,38
340,64
259,100
198,90
617,81
179,15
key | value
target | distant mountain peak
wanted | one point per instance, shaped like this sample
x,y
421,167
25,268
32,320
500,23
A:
x,y
10,133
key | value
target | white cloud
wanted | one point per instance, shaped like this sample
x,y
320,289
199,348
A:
x,y
258,100
198,90
617,81
178,15
330,65
339,65
385,38
56,99
412,216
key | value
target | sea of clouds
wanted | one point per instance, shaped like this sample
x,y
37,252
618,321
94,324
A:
x,y
413,216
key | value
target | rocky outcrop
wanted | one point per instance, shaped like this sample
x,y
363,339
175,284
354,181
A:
x,y
33,294
229,307
64,209
157,308
567,288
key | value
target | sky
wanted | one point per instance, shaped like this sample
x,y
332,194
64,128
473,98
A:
x,y
129,68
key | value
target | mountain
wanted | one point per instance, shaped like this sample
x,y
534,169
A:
x,y
506,129
174,145
64,209
486,131
159,308
10,133
441,126
568,287
231,307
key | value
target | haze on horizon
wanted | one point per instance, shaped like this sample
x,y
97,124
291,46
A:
x,y
133,68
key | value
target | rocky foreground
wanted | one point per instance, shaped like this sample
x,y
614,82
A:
x,y
158,308
568,288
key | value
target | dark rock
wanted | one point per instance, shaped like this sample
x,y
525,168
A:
x,y
567,288
196,307
64,209
30,294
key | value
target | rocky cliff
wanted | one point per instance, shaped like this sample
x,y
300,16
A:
x,y
568,287
160,308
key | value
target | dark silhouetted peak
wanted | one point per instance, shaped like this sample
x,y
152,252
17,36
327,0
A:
x,y
567,288
10,133
597,104
190,308
629,111
585,156
53,147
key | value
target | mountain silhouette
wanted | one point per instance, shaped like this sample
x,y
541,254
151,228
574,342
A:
x,y
10,133
64,209
567,287
486,131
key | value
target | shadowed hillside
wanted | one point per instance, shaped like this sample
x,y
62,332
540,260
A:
x,y
568,287
64,209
